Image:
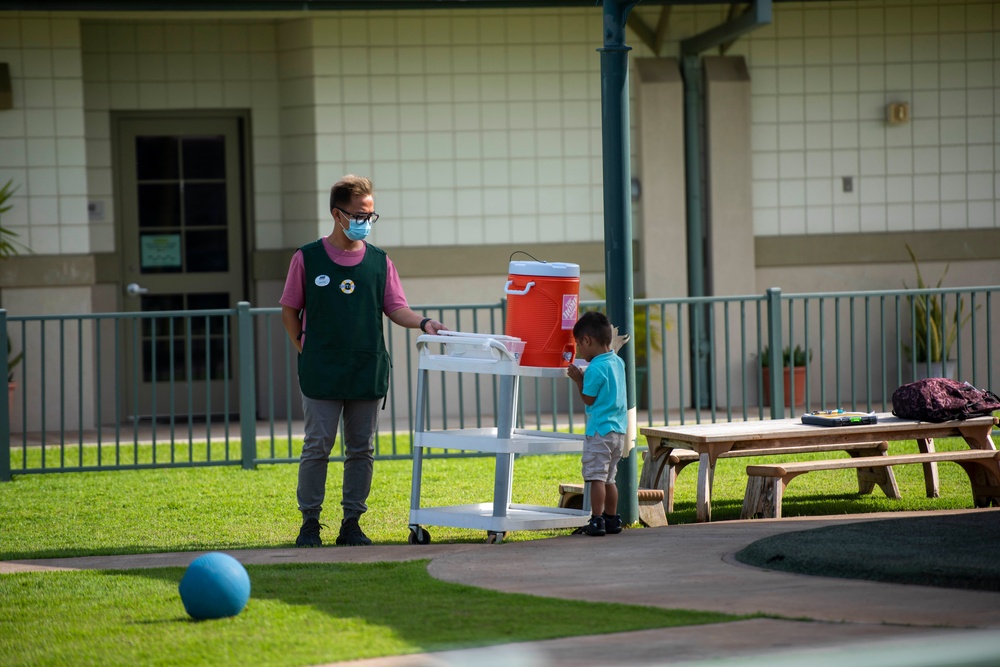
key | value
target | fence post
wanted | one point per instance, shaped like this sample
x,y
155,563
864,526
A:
x,y
248,393
775,357
4,406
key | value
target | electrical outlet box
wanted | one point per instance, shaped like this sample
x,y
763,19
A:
x,y
898,113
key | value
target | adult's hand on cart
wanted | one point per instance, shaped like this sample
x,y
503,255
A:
x,y
432,327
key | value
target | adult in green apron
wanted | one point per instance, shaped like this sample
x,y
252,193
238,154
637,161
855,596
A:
x,y
338,288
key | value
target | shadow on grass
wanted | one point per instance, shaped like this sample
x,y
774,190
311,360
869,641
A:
x,y
403,600
820,504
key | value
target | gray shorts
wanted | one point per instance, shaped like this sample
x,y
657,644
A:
x,y
601,454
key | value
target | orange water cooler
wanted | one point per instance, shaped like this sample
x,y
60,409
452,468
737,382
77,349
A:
x,y
543,300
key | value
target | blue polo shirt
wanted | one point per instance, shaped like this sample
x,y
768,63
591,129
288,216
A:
x,y
604,379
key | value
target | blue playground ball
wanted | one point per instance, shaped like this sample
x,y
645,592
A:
x,y
214,586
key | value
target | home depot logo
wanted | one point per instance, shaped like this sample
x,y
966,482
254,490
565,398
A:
x,y
569,305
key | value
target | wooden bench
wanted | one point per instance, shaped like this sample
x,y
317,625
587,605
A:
x,y
766,483
650,503
661,468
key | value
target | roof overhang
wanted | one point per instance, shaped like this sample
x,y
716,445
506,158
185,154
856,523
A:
x,y
303,5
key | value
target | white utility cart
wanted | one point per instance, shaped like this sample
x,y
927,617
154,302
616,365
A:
x,y
487,355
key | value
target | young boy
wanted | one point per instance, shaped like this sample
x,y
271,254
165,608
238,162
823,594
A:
x,y
602,389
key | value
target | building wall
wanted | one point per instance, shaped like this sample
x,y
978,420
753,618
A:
x,y
823,74
145,65
42,146
482,128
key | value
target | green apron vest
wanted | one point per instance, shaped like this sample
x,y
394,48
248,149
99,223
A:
x,y
344,355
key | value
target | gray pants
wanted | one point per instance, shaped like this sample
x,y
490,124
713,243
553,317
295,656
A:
x,y
321,421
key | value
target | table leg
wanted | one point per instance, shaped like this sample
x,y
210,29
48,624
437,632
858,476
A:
x,y
978,437
881,475
706,474
657,473
926,445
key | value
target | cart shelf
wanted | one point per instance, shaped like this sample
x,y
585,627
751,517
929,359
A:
x,y
517,517
521,441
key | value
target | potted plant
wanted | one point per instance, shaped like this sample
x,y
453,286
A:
x,y
12,361
792,361
8,246
934,330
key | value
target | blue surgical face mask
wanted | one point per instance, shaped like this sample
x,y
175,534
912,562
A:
x,y
358,230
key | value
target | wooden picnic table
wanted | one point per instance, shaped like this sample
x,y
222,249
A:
x,y
775,435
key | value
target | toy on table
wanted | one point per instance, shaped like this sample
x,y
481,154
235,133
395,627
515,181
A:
x,y
839,417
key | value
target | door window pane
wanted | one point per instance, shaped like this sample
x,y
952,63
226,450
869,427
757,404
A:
x,y
161,325
205,204
160,205
156,158
207,251
204,157
165,365
195,341
212,325
208,355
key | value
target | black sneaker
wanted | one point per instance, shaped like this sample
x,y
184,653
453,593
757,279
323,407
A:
x,y
596,527
351,534
612,523
309,534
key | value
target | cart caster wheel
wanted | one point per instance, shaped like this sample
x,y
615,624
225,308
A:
x,y
419,536
493,537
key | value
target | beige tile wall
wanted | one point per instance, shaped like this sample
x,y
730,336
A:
x,y
145,65
476,128
485,127
823,75
42,138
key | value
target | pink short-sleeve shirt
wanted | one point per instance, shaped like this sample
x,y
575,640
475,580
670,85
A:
x,y
294,294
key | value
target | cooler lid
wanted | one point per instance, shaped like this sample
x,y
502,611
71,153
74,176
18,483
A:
x,y
550,269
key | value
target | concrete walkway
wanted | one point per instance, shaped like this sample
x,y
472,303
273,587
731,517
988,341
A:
x,y
680,567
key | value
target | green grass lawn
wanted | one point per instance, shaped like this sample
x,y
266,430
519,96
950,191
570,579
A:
x,y
140,511
303,614
351,611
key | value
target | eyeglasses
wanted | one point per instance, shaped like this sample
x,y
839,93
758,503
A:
x,y
360,217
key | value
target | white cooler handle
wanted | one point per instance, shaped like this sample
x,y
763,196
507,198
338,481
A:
x,y
508,290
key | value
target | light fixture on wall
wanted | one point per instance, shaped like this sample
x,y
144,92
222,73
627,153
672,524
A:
x,y
6,93
897,113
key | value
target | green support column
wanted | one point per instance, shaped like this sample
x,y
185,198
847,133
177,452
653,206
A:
x,y
618,220
777,366
698,334
248,392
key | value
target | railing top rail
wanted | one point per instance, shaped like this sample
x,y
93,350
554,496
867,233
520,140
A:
x,y
147,315
271,310
747,298
461,306
893,292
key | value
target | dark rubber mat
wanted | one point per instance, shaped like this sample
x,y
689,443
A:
x,y
953,551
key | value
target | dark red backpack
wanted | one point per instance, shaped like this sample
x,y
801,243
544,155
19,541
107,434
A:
x,y
941,400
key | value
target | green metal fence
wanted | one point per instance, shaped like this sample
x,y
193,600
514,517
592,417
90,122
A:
x,y
219,387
